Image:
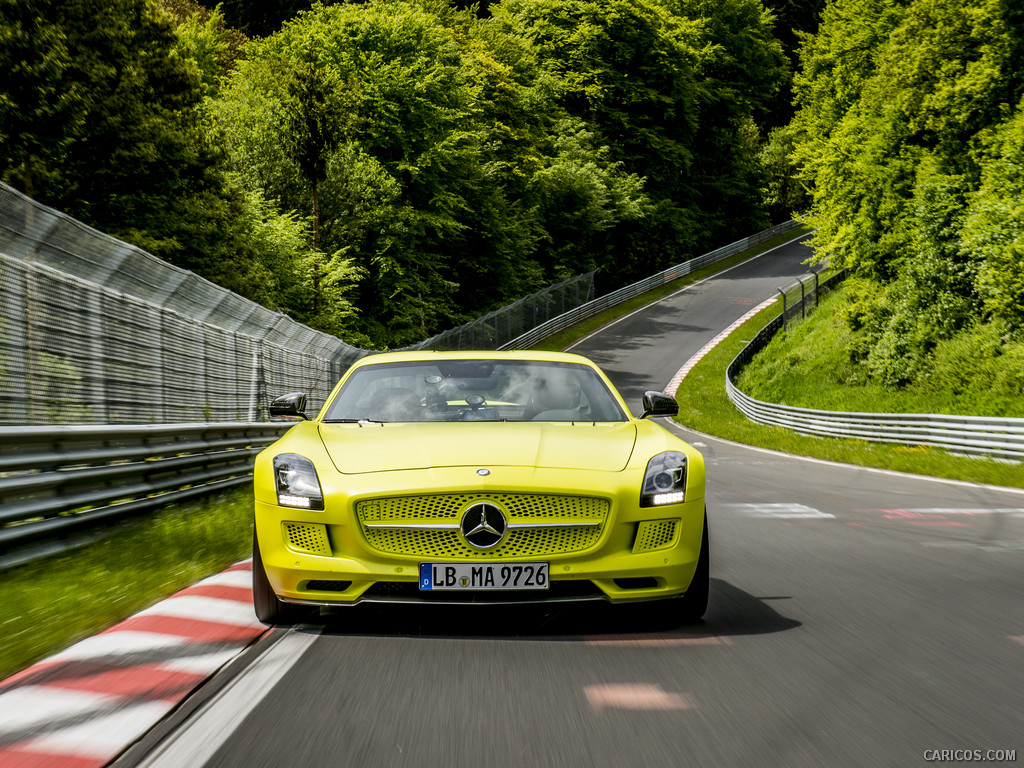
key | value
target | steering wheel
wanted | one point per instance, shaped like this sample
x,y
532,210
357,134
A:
x,y
474,402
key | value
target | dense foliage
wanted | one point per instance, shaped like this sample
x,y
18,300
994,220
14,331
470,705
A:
x,y
910,131
387,169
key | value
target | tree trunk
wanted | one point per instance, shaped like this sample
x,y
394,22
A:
x,y
29,190
316,249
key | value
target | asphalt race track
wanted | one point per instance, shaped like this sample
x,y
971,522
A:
x,y
857,618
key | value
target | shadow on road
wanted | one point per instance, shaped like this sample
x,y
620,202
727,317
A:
x,y
731,612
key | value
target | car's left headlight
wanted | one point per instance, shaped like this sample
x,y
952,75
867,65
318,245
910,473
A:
x,y
665,480
297,483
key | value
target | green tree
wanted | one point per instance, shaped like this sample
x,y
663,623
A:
x,y
904,131
123,137
741,69
434,189
260,18
205,40
993,231
627,69
39,108
670,88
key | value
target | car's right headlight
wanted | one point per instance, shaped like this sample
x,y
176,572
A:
x,y
297,483
665,480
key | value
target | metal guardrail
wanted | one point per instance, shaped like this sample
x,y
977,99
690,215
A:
x,y
57,481
591,308
997,437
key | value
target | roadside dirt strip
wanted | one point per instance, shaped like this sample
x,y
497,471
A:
x,y
82,707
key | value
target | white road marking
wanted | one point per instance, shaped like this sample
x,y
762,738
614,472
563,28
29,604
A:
x,y
202,664
199,739
237,578
782,511
643,696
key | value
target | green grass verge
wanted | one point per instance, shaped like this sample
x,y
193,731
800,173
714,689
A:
x,y
705,407
52,603
564,338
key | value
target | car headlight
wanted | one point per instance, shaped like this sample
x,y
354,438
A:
x,y
297,483
665,480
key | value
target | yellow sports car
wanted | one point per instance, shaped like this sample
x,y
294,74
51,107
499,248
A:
x,y
478,477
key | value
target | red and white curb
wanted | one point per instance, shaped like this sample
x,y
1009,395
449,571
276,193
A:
x,y
82,707
681,374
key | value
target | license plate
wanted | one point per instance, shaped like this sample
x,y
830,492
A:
x,y
454,576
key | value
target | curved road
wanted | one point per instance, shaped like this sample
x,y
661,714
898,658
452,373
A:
x,y
857,618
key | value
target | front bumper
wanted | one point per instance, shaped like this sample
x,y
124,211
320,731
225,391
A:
x,y
325,557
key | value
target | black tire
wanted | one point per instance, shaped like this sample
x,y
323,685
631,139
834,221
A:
x,y
694,604
269,608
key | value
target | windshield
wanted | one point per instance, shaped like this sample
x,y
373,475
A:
x,y
475,390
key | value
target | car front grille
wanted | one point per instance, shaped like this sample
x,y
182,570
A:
x,y
427,526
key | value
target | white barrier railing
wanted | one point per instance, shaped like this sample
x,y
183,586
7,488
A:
x,y
982,435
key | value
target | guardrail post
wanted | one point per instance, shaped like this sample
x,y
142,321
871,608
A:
x,y
803,302
783,307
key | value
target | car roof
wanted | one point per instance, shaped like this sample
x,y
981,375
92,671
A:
x,y
481,354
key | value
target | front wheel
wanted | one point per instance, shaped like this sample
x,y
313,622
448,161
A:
x,y
694,604
269,608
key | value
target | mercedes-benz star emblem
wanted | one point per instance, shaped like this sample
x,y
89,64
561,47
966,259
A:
x,y
483,526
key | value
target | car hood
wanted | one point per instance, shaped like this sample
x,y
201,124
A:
x,y
356,448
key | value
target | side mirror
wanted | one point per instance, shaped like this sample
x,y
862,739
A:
x,y
292,404
659,404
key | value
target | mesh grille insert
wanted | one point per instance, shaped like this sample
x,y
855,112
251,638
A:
x,y
654,534
536,509
310,538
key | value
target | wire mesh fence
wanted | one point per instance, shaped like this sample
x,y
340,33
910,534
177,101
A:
x,y
96,331
801,297
499,328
